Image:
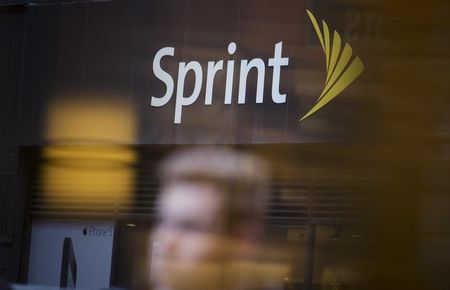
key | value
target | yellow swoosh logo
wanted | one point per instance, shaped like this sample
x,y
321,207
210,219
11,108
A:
x,y
341,72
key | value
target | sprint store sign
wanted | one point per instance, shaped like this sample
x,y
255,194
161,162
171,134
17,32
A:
x,y
342,68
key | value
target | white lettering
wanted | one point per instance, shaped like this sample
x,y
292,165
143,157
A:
x,y
163,76
245,68
277,61
230,74
213,68
181,101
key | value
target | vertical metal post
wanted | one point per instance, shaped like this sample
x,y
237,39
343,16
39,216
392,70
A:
x,y
309,259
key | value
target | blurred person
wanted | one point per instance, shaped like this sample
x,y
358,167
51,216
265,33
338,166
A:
x,y
210,229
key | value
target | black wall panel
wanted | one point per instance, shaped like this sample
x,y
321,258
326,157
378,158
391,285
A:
x,y
12,37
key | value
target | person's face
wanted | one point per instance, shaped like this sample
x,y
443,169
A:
x,y
190,239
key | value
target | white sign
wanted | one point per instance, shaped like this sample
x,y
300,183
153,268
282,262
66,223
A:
x,y
92,244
